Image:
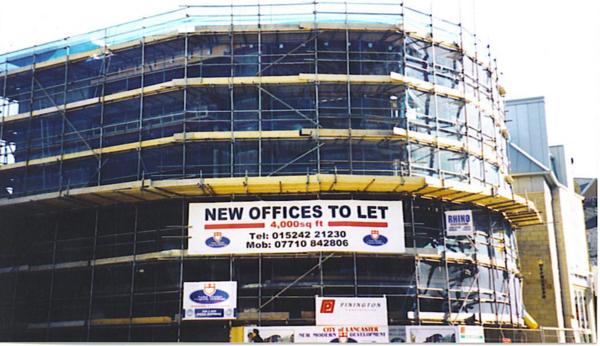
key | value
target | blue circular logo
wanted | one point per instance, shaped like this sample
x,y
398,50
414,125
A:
x,y
375,240
217,297
217,242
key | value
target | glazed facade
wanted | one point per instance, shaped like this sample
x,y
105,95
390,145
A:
x,y
305,91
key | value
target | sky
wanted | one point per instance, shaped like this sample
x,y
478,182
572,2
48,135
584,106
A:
x,y
543,47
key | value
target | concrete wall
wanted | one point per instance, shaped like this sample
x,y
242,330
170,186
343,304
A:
x,y
572,242
560,245
562,165
537,246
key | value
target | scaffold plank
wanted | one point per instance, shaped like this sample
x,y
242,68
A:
x,y
423,186
216,29
133,320
371,135
301,78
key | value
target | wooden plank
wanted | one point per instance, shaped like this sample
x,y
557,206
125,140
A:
x,y
372,135
302,78
428,187
134,320
200,29
266,316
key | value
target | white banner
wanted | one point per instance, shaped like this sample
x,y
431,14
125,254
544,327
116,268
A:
x,y
209,300
459,222
431,334
350,311
255,334
471,335
296,226
445,334
318,334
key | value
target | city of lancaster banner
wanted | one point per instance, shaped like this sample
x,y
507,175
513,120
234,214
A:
x,y
209,300
319,334
296,226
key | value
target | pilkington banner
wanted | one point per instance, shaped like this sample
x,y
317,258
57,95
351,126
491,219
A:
x,y
350,310
296,226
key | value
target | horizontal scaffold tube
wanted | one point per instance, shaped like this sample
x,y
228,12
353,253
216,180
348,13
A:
x,y
165,255
177,84
265,28
324,134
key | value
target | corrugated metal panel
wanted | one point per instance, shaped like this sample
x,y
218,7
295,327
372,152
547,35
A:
x,y
526,122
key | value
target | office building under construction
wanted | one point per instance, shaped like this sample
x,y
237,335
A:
x,y
107,137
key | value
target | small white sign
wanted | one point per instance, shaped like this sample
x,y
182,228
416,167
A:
x,y
445,334
350,311
209,300
471,335
459,222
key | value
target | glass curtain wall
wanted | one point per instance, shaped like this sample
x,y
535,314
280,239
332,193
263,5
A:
x,y
100,109
45,271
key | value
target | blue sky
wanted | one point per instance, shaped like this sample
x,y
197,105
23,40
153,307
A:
x,y
544,48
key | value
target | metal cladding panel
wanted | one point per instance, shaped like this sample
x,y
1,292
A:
x,y
560,165
526,122
519,163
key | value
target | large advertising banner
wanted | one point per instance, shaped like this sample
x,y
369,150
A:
x,y
318,334
214,300
350,311
296,226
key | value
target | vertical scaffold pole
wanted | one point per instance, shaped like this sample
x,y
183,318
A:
x,y
92,276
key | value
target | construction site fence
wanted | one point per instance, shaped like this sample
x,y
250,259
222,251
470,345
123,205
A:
x,y
542,335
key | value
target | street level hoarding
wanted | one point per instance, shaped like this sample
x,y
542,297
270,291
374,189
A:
x,y
350,310
210,300
296,226
431,334
319,334
397,334
471,335
459,223
445,334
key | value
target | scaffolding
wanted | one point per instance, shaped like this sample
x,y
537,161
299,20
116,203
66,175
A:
x,y
219,69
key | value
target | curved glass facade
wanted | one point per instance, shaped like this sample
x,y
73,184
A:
x,y
46,271
246,91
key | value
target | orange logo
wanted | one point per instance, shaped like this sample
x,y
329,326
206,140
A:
x,y
327,306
